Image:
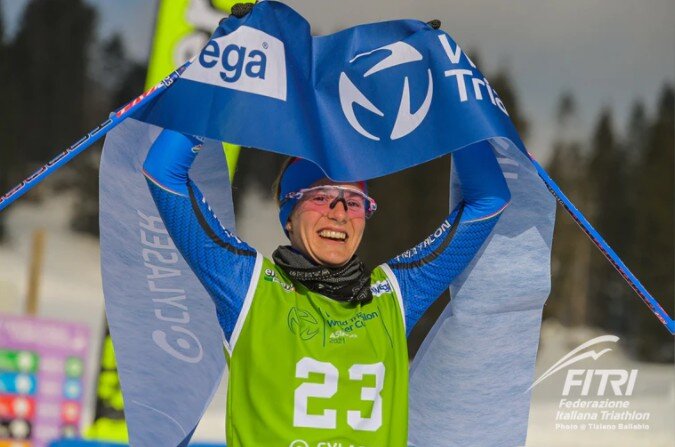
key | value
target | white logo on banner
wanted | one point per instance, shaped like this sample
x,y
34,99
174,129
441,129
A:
x,y
406,120
247,60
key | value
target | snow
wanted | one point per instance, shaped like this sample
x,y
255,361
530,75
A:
x,y
70,285
70,290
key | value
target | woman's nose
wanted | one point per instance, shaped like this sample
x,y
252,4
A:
x,y
338,209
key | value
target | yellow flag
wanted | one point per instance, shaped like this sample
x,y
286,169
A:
x,y
182,29
109,423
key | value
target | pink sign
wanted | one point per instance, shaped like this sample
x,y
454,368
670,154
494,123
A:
x,y
42,365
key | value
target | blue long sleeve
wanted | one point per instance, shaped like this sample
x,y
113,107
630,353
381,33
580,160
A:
x,y
223,263
426,270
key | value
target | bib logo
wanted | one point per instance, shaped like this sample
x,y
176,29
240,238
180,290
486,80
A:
x,y
299,443
247,60
272,277
302,323
380,288
406,120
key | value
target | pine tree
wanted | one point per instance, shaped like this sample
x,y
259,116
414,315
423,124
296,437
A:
x,y
120,81
608,180
637,128
50,55
501,82
635,144
5,161
2,26
654,182
571,251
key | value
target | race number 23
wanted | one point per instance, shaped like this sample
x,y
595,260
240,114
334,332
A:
x,y
327,389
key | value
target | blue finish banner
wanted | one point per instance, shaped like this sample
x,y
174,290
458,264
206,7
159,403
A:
x,y
360,103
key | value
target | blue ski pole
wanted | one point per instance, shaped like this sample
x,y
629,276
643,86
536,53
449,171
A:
x,y
606,250
86,141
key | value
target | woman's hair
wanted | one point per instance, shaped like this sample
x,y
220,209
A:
x,y
276,186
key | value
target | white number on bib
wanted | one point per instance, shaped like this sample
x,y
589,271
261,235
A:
x,y
354,418
327,389
302,393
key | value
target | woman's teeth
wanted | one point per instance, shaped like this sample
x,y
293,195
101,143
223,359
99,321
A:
x,y
337,235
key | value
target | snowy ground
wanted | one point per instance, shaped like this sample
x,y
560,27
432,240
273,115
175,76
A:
x,y
71,291
70,286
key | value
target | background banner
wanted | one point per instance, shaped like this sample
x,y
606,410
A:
x,y
168,342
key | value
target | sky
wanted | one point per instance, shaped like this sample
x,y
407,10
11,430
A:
x,y
608,53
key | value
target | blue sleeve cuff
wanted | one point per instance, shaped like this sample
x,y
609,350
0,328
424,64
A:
x,y
169,160
484,189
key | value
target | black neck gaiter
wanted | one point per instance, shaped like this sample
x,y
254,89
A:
x,y
350,282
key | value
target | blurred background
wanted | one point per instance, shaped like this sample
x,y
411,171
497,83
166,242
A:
x,y
588,83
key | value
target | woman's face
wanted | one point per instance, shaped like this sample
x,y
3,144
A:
x,y
329,236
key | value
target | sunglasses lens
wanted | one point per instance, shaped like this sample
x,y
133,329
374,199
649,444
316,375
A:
x,y
323,198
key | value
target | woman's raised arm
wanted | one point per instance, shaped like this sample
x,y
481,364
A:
x,y
426,270
224,264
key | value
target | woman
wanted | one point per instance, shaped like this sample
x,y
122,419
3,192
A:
x,y
316,342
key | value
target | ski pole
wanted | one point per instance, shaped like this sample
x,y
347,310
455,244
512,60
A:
x,y
605,249
90,138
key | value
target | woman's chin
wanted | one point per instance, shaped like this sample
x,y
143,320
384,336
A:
x,y
332,259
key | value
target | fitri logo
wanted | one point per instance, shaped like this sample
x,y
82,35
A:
x,y
407,120
620,381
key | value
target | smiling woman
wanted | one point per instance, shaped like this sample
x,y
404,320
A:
x,y
315,327
328,224
323,219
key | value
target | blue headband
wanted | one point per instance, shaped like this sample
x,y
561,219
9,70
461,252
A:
x,y
300,174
